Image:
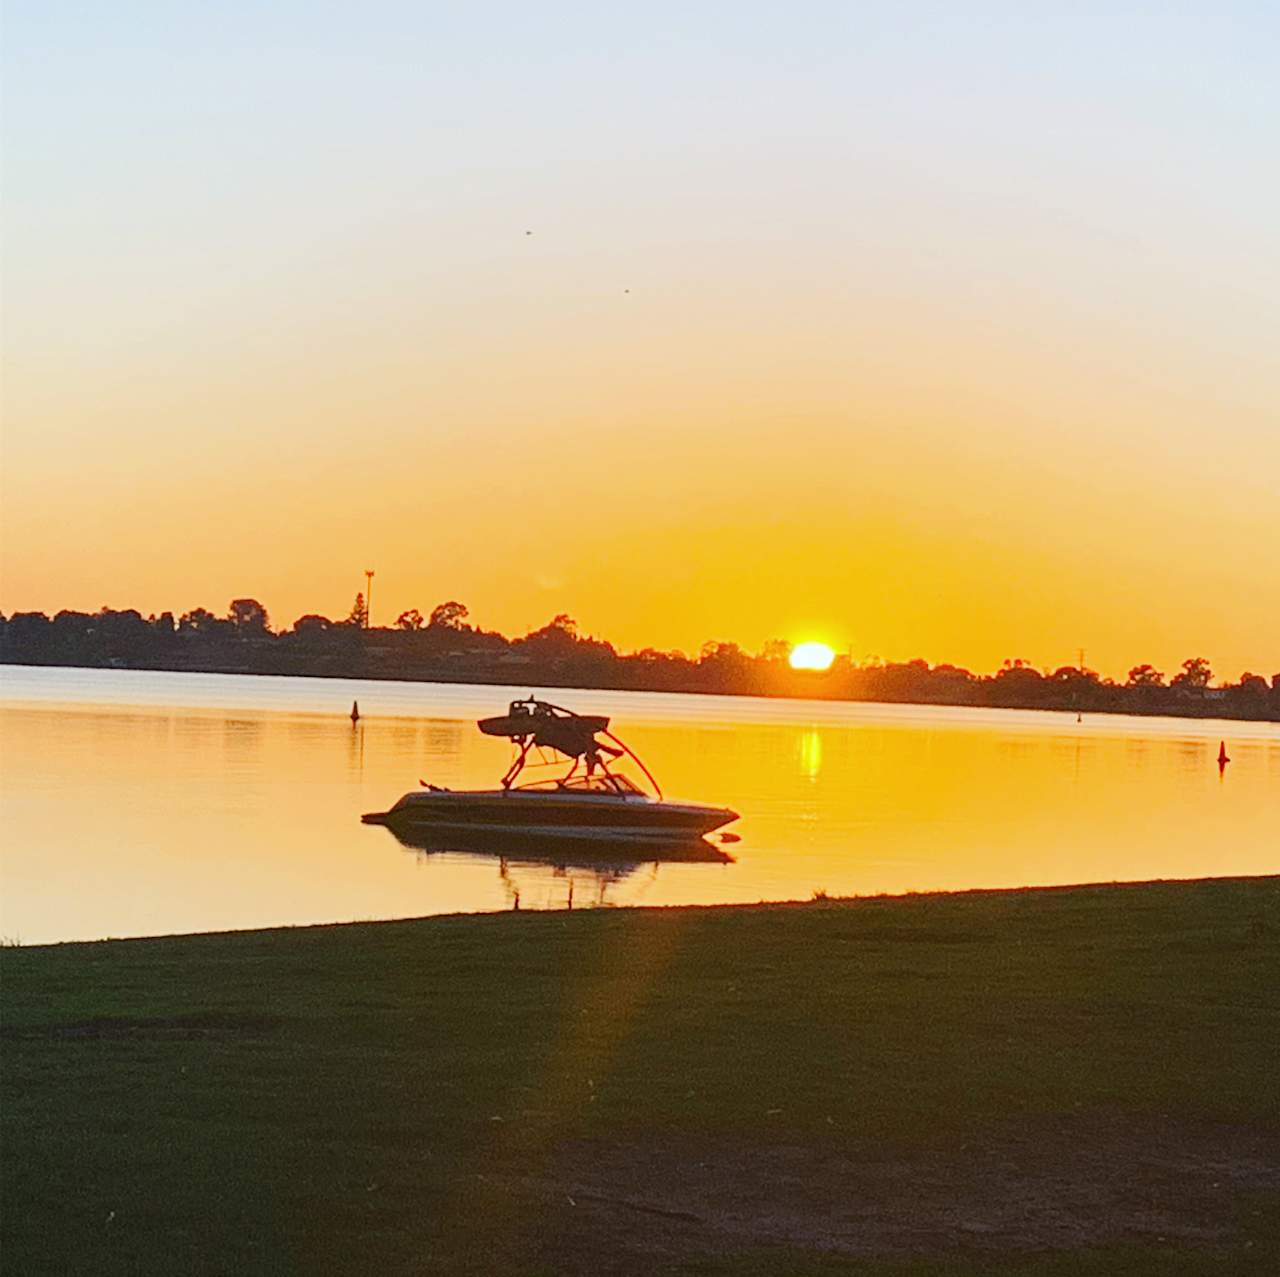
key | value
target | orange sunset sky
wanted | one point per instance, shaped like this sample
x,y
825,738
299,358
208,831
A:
x,y
924,330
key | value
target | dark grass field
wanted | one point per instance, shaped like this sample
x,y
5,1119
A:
x,y
1066,1081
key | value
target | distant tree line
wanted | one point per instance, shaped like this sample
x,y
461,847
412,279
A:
x,y
444,646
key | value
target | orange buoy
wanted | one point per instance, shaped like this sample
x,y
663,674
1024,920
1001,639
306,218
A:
x,y
1223,760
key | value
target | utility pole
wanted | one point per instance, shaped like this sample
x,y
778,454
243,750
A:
x,y
368,597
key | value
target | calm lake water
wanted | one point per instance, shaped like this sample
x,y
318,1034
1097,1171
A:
x,y
146,803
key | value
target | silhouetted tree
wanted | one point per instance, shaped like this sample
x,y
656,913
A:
x,y
1017,672
714,650
448,616
558,637
1196,675
73,626
776,651
198,621
312,625
249,618
359,614
1073,675
410,620
1144,676
29,629
125,626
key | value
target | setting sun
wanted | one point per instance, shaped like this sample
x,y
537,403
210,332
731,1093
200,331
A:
x,y
811,656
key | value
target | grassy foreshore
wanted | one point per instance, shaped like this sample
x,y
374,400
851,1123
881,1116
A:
x,y
1058,1081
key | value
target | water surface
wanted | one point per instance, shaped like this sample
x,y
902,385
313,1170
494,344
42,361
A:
x,y
137,803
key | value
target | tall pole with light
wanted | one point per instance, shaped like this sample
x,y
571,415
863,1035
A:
x,y
368,597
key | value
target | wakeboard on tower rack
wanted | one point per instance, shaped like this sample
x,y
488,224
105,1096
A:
x,y
534,724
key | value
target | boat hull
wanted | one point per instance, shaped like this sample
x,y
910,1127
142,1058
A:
x,y
596,817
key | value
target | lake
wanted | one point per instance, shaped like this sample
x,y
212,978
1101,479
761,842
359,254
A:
x,y
136,803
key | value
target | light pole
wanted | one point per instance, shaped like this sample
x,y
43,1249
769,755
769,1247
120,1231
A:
x,y
368,597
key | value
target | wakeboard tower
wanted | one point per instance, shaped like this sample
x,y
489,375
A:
x,y
533,724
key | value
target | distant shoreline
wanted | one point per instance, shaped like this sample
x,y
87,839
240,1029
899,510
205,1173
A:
x,y
797,687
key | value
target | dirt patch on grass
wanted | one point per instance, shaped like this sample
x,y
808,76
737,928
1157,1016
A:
x,y
1049,1186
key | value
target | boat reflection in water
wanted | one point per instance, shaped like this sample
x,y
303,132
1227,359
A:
x,y
597,862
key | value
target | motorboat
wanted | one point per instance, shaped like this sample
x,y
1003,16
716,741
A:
x,y
592,802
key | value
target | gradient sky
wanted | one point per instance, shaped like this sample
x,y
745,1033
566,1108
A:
x,y
928,330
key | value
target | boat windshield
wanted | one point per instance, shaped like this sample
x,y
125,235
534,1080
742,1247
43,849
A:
x,y
613,783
